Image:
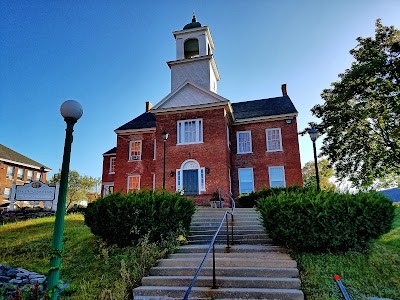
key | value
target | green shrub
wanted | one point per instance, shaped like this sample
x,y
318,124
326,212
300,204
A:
x,y
124,219
326,221
250,200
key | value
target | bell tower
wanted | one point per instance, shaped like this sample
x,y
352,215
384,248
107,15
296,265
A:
x,y
194,59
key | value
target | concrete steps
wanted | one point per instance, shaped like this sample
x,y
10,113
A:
x,y
252,268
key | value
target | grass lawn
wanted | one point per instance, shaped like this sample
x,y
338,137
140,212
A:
x,y
93,270
373,273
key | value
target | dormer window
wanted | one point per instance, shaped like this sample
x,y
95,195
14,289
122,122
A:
x,y
191,48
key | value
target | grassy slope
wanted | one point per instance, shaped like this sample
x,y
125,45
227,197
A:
x,y
93,270
374,273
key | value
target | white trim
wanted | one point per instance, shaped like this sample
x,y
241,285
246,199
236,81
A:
x,y
178,180
220,100
230,180
110,154
277,167
154,181
237,142
202,28
131,176
140,130
252,174
264,118
155,149
134,157
110,166
228,139
280,139
181,135
202,183
24,165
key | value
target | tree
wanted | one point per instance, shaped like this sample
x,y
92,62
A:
x,y
325,172
79,187
361,114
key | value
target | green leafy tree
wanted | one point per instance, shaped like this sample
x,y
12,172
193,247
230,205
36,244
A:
x,y
79,187
361,114
325,172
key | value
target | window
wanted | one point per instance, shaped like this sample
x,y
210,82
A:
x,y
135,150
7,193
29,175
276,176
37,175
108,189
274,140
178,180
155,149
10,172
191,48
202,180
246,180
243,142
133,183
190,131
20,173
112,165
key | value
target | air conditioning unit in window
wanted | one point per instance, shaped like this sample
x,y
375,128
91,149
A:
x,y
134,157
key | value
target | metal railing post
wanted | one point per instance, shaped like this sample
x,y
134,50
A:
x,y
214,286
227,233
232,243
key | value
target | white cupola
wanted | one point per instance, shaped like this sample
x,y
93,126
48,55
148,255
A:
x,y
194,59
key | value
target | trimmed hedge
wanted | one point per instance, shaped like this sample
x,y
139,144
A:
x,y
326,221
250,200
124,219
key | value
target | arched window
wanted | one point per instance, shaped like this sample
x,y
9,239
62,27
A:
x,y
191,48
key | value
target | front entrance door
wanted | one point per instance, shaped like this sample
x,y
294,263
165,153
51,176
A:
x,y
191,182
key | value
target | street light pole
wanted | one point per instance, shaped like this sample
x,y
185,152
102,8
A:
x,y
71,111
165,135
313,136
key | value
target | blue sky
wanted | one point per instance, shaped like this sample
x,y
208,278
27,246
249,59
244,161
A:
x,y
111,56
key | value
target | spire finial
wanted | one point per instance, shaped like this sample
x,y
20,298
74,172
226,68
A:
x,y
194,17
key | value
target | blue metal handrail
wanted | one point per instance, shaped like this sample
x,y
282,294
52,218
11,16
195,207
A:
x,y
211,246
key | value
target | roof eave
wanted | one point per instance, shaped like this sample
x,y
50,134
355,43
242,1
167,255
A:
x,y
138,130
46,169
204,106
265,118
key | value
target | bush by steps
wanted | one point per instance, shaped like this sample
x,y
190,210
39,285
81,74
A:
x,y
124,219
326,221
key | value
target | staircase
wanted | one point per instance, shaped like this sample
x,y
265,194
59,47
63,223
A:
x,y
253,268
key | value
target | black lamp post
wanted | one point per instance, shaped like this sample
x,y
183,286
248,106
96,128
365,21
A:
x,y
165,135
71,111
313,136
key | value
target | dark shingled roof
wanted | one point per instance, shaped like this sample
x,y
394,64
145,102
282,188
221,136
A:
x,y
111,151
145,120
9,154
264,107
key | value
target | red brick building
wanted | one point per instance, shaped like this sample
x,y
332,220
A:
x,y
15,167
212,143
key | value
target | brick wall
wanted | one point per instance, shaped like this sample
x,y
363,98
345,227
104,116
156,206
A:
x,y
212,153
143,167
7,183
260,159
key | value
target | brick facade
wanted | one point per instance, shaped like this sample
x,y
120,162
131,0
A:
x,y
214,157
11,158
